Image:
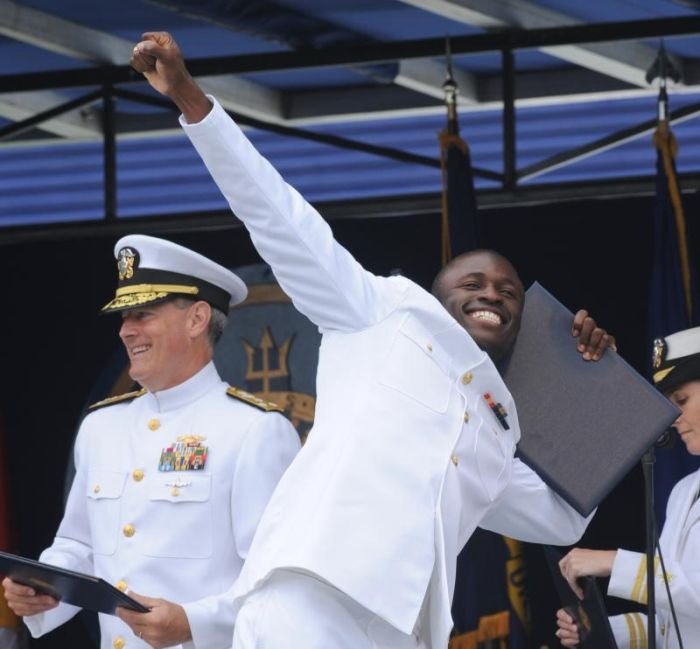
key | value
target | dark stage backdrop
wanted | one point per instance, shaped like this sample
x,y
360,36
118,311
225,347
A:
x,y
593,254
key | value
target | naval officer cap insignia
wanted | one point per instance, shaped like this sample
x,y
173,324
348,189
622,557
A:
x,y
676,359
151,270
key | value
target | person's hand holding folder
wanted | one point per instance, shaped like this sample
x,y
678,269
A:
x,y
581,562
25,600
164,625
592,339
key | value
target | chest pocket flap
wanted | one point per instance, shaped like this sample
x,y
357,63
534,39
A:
x,y
416,367
178,487
103,484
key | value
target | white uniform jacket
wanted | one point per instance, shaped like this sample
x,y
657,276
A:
x,y
680,546
181,535
405,458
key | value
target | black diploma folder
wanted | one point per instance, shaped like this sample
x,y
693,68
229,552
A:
x,y
583,424
70,587
589,613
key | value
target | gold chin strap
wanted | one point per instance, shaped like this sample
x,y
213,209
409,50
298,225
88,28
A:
x,y
662,374
157,288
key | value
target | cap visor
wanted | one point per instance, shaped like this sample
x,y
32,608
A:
x,y
133,300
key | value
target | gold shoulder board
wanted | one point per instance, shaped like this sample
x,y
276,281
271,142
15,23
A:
x,y
251,399
120,398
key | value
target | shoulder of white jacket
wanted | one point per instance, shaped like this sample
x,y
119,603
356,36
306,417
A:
x,y
119,398
252,400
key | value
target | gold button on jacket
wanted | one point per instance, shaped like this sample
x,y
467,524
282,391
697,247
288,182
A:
x,y
137,475
467,378
119,643
129,530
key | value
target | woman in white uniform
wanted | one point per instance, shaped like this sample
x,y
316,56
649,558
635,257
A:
x,y
677,374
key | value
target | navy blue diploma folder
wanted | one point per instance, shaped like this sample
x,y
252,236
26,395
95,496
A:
x,y
75,588
583,424
589,613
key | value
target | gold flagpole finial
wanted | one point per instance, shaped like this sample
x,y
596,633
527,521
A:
x,y
451,91
662,69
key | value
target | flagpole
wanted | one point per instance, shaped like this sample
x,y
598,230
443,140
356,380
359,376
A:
x,y
458,225
662,68
450,89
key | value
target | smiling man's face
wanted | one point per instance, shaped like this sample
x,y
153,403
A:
x,y
483,292
157,341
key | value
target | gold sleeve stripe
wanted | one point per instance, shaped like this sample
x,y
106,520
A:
x,y
632,630
156,288
640,581
637,630
641,629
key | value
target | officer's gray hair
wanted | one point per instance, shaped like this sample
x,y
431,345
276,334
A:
x,y
216,324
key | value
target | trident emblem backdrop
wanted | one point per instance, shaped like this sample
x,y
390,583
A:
x,y
270,349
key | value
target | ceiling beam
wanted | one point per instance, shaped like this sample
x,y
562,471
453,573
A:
x,y
81,124
335,105
533,88
514,39
611,141
626,62
304,108
49,32
71,39
427,205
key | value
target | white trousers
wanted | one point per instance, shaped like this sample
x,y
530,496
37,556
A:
x,y
297,611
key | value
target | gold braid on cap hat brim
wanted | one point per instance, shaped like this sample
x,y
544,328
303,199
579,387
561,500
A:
x,y
662,374
156,288
138,294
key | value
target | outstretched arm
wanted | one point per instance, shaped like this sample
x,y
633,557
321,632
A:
x,y
323,280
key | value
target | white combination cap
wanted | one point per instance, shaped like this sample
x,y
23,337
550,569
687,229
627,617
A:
x,y
152,270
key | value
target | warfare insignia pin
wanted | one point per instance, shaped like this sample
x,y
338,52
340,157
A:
x,y
658,353
185,454
126,261
497,410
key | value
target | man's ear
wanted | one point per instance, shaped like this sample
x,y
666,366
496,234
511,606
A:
x,y
199,318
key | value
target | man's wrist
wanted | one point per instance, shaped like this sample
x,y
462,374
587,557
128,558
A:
x,y
190,100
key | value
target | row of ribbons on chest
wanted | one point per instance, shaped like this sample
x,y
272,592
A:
x,y
187,453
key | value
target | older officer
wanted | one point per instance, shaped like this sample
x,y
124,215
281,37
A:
x,y
171,480
406,458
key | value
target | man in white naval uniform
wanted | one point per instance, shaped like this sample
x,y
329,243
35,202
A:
x,y
170,481
406,457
